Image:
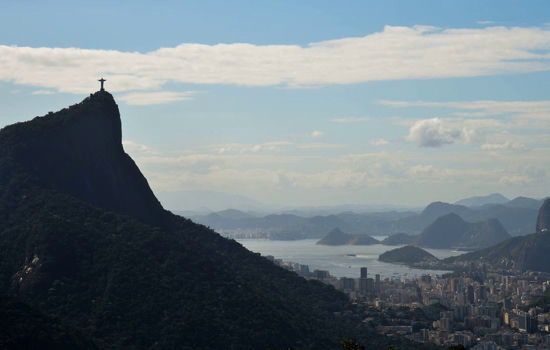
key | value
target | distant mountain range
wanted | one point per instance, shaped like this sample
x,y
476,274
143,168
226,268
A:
x,y
495,198
518,217
210,201
337,237
526,253
518,253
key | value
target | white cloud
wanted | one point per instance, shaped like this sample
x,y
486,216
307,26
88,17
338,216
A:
x,y
320,146
417,52
485,22
155,98
350,120
379,142
43,92
428,171
249,148
317,134
524,109
518,180
136,148
494,149
433,133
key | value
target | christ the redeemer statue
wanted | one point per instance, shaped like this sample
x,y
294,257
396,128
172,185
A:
x,y
102,81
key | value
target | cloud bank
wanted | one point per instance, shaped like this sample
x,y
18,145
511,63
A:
x,y
417,52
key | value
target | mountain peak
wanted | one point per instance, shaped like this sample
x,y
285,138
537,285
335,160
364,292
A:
x,y
543,219
494,198
78,150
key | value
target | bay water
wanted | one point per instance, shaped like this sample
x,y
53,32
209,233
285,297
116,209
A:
x,y
342,261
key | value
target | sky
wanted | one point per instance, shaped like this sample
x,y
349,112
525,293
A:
x,y
301,103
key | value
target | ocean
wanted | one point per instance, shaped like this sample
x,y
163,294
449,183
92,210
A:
x,y
342,261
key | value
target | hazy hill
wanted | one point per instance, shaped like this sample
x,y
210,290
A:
x,y
517,218
451,231
234,214
337,237
407,255
519,253
415,224
209,201
524,202
399,238
83,237
495,198
437,209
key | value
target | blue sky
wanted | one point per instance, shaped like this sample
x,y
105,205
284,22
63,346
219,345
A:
x,y
301,103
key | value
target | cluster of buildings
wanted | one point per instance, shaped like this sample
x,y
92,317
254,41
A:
x,y
475,308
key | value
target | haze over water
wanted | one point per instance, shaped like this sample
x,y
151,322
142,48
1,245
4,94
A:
x,y
336,259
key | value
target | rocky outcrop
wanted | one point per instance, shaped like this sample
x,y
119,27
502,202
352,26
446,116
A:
x,y
78,151
543,219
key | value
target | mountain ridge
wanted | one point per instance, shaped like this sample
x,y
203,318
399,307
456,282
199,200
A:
x,y
337,237
83,157
477,201
451,231
130,277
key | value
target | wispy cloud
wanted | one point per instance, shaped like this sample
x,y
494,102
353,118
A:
x,y
317,134
136,148
320,146
237,148
507,146
43,92
485,22
350,120
417,52
155,98
379,142
527,109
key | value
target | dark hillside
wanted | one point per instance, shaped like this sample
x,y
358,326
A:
x,y
24,327
518,253
83,237
78,151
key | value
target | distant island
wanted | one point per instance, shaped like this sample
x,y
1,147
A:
x,y
407,255
337,237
